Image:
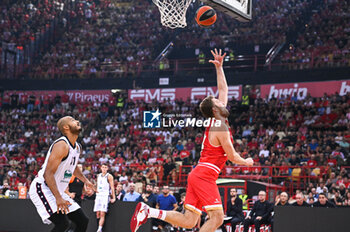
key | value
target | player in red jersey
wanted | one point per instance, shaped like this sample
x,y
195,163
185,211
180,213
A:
x,y
202,191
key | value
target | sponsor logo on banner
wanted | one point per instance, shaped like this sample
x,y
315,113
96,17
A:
x,y
315,89
202,92
82,96
277,93
74,95
162,94
344,89
149,95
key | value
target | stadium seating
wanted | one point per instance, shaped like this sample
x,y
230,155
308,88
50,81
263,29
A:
x,y
121,142
324,40
108,41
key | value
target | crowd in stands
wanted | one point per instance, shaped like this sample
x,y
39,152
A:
x,y
120,38
325,40
311,134
21,21
293,131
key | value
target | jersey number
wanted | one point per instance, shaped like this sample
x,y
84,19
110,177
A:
x,y
73,161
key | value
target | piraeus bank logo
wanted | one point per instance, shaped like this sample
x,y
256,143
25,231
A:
x,y
151,119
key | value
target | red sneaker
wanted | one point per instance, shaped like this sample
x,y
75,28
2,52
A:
x,y
140,216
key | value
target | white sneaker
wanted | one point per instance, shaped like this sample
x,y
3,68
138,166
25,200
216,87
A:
x,y
140,216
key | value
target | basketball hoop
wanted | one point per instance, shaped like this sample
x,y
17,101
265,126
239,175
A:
x,y
173,12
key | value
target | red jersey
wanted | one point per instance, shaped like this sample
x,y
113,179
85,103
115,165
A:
x,y
213,158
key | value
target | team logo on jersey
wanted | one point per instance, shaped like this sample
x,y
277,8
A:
x,y
151,119
67,174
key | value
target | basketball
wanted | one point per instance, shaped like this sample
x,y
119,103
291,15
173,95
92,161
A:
x,y
205,16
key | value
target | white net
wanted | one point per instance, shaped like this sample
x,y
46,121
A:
x,y
173,12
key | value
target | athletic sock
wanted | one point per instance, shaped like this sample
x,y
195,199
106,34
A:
x,y
99,228
156,213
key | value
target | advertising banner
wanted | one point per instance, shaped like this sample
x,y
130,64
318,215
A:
x,y
162,94
74,95
315,89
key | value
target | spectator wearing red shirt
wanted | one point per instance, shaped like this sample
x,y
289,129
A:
x,y
346,182
146,153
279,144
312,163
198,141
291,123
338,155
284,169
112,103
32,152
46,101
6,102
331,162
65,100
23,178
37,103
156,151
176,155
3,159
184,156
159,139
261,131
24,100
253,145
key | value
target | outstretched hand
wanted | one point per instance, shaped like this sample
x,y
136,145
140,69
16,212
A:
x,y
62,205
249,161
91,185
218,58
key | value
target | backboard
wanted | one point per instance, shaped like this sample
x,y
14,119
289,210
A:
x,y
238,9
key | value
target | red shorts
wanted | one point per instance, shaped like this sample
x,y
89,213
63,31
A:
x,y
202,193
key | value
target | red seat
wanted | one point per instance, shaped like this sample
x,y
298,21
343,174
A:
x,y
263,228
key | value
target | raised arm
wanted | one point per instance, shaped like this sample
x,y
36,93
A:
x,y
220,75
59,152
223,136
